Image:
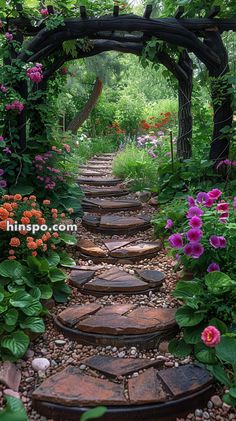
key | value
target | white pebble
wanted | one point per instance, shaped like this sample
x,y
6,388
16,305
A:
x,y
40,364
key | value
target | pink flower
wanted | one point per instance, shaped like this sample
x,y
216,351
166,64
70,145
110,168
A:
x,y
195,222
222,207
3,184
3,89
176,241
67,147
1,139
188,250
223,242
8,36
211,336
194,235
235,203
35,73
213,267
214,241
204,199
215,194
194,211
197,250
191,201
169,224
224,217
7,150
44,12
15,105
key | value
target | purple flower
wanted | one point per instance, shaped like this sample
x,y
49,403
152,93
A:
x,y
194,235
204,199
197,250
1,139
7,150
1,172
176,241
191,201
169,224
8,36
214,241
215,194
3,184
223,242
195,222
235,203
188,249
194,211
213,267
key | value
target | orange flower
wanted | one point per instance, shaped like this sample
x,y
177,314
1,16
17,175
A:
x,y
33,204
11,252
11,257
32,197
32,245
55,215
17,197
46,202
11,214
54,210
23,232
6,197
27,214
25,199
30,239
4,214
7,206
34,254
44,237
63,215
55,235
48,235
14,205
41,221
3,224
25,220
15,242
39,242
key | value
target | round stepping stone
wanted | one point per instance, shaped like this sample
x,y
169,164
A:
x,y
103,158
115,224
118,325
155,394
99,181
116,281
92,173
103,205
115,251
104,192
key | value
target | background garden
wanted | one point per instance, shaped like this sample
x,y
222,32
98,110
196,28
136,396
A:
x,y
56,114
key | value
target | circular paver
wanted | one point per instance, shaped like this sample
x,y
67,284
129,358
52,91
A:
x,y
90,191
115,224
112,205
99,181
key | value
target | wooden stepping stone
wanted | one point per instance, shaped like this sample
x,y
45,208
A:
x,y
99,181
103,205
115,281
103,158
114,224
104,192
153,395
118,325
92,173
115,251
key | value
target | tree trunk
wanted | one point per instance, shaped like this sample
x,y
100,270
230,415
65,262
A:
x,y
185,88
221,99
80,118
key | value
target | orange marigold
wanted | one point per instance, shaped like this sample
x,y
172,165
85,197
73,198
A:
x,y
55,215
34,254
34,204
15,242
17,197
32,245
7,206
55,235
39,242
54,210
27,214
46,202
41,221
30,239
32,197
63,215
23,232
44,237
14,205
25,220
6,197
4,214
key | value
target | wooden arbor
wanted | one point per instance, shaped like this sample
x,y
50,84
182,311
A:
x,y
130,34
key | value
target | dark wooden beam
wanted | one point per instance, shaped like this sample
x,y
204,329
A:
x,y
50,10
83,12
148,11
179,12
213,12
116,10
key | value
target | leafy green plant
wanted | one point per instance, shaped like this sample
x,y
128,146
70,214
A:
x,y
174,211
94,413
13,411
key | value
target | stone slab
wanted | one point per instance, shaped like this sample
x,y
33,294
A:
x,y
113,221
80,277
116,280
90,248
74,314
140,249
146,388
152,277
116,244
104,192
99,181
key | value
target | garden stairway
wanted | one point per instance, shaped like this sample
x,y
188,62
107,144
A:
x,y
132,388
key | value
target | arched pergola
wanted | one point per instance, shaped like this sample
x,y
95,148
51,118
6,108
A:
x,y
130,34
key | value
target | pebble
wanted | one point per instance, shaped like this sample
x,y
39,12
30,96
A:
x,y
40,364
60,342
216,400
198,413
82,367
121,354
114,349
206,416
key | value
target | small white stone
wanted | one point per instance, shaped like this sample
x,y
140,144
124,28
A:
x,y
114,349
60,342
121,354
40,364
82,367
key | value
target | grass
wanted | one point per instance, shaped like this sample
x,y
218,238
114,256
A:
x,y
137,167
89,147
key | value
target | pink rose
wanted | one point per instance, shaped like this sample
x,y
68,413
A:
x,y
211,336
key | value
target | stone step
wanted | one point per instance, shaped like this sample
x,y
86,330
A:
x,y
103,158
112,205
115,191
119,251
99,181
117,325
116,281
115,224
103,164
92,173
155,394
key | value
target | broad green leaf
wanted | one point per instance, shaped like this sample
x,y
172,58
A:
x,y
186,316
11,317
35,324
33,309
17,343
61,292
53,258
46,291
21,299
220,374
14,410
94,413
219,283
22,189
205,355
56,275
10,269
192,335
66,260
68,239
179,348
226,350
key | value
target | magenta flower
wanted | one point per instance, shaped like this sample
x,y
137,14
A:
x,y
213,267
169,224
44,12
3,89
1,139
178,257
203,198
194,211
194,235
1,172
191,201
214,241
197,250
215,194
223,242
195,222
211,336
188,250
222,207
3,184
35,73
7,150
15,105
235,203
224,217
176,241
8,36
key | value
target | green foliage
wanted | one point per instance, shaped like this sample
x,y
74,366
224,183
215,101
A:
x,y
13,411
93,414
175,210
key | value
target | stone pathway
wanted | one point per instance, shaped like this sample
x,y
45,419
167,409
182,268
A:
x,y
133,389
